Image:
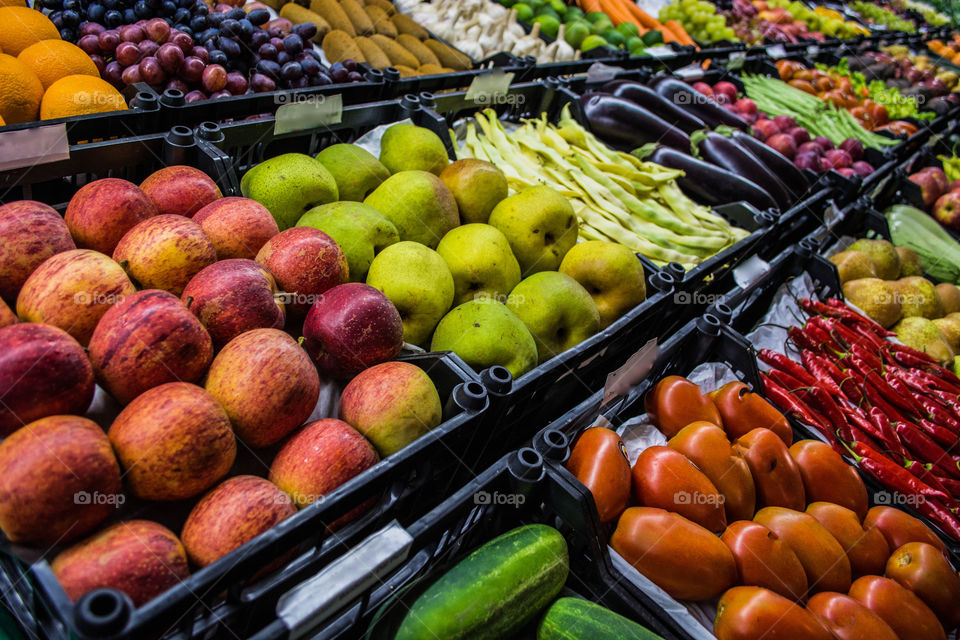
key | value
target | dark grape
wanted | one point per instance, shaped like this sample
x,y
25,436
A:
x,y
111,4
71,5
218,57
112,73
236,83
215,20
237,13
314,54
340,75
230,47
293,44
300,83
131,75
98,61
276,32
246,28
291,71
182,16
153,4
67,34
108,40
310,66
192,69
128,53
95,13
195,96
354,76
89,43
230,27
258,38
208,34
260,83
198,23
157,30
170,57
168,8
57,19
305,30
202,9
151,71
51,4
185,30
201,52
258,16
269,68
337,66
319,80
267,51
350,65
91,29
283,58
132,33
277,42
184,41
142,9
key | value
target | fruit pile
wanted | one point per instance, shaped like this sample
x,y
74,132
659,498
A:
x,y
940,195
794,551
948,51
700,19
875,14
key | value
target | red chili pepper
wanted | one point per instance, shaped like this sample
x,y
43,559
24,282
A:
x,y
882,423
944,374
812,363
820,399
936,413
876,398
926,380
904,401
790,404
800,339
785,380
821,338
941,515
952,486
869,323
902,349
941,435
782,362
891,474
860,428
925,473
845,381
926,450
869,358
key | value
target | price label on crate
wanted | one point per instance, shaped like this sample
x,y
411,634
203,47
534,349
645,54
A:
x,y
599,72
749,271
488,86
813,50
38,145
777,51
659,51
690,72
304,112
632,372
736,60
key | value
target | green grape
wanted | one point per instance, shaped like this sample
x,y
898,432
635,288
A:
x,y
698,18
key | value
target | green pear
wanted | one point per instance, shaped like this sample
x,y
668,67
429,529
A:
x,y
611,273
478,187
418,283
949,297
923,334
289,185
909,262
407,147
540,226
356,170
875,297
950,328
918,297
853,265
556,309
418,204
484,333
883,254
482,264
360,230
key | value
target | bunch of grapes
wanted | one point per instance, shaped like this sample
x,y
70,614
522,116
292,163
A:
x,y
228,53
188,16
700,19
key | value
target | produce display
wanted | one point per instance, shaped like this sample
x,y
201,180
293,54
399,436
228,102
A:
x,y
875,14
940,194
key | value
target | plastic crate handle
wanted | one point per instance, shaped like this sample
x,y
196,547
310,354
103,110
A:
x,y
362,568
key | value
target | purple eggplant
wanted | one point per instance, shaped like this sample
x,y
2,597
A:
x,y
647,98
727,154
709,184
686,97
627,125
781,166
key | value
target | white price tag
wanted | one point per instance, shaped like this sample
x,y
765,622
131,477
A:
x,y
34,146
488,86
690,72
305,112
736,60
749,271
632,372
813,50
599,72
777,51
658,51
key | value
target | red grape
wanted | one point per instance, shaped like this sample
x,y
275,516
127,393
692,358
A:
x,y
178,84
112,73
131,33
202,53
170,57
223,93
92,29
89,43
261,83
148,47
128,53
195,96
151,71
214,78
236,83
158,30
98,61
131,75
192,69
108,40
183,41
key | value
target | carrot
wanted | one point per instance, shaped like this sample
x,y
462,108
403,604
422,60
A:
x,y
646,20
668,35
680,32
616,11
589,6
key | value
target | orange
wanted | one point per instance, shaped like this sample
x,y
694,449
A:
x,y
13,3
20,91
77,95
20,27
55,59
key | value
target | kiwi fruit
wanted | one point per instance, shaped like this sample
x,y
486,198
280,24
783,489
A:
x,y
373,54
386,5
333,14
298,15
338,46
406,24
405,71
417,48
396,52
380,20
358,17
447,56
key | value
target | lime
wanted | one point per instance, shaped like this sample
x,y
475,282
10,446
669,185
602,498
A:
x,y
559,6
536,5
548,25
592,42
593,16
572,13
633,43
652,38
614,37
628,29
600,26
524,12
575,32
547,10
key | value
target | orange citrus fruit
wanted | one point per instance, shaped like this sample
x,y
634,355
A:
x,y
13,3
20,91
51,60
77,95
20,27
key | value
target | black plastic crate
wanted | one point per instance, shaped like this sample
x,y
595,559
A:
x,y
232,595
369,590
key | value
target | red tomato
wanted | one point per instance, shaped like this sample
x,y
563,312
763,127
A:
x,y
599,461
752,613
742,411
764,560
666,479
847,618
906,614
675,402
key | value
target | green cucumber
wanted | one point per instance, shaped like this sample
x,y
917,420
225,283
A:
x,y
576,619
494,591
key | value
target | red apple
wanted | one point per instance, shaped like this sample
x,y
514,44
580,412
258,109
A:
x,y
955,185
318,459
138,557
745,106
102,211
173,441
353,326
703,88
305,262
43,372
727,89
233,296
238,227
165,252
929,184
266,383
60,480
72,290
947,210
392,404
180,190
232,514
7,316
30,232
148,339
943,184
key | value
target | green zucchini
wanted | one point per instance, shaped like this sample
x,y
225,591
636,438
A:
x,y
576,619
939,252
494,591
